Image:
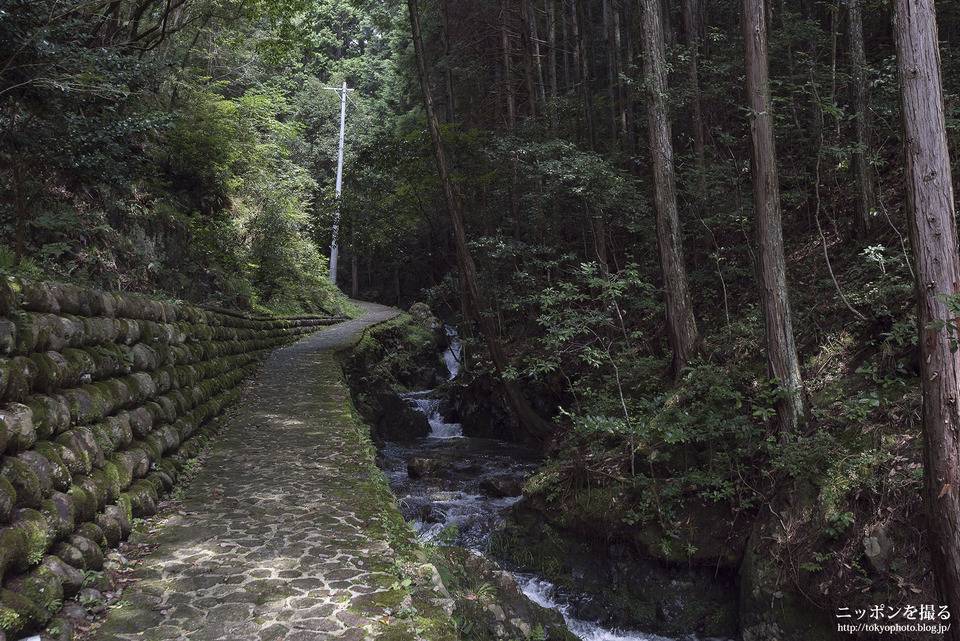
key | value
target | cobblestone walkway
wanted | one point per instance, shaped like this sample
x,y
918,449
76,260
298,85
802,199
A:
x,y
281,535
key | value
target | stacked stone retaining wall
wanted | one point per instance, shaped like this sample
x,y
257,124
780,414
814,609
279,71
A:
x,y
103,397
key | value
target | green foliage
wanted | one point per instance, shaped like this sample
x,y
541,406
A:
x,y
837,524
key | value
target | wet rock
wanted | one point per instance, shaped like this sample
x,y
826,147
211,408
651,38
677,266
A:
x,y
492,601
395,420
420,467
500,488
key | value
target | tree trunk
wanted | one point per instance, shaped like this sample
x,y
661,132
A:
x,y
581,51
862,171
693,26
528,419
529,68
934,240
552,47
681,325
505,61
448,67
782,364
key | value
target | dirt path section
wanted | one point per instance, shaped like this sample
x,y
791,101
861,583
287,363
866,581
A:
x,y
283,534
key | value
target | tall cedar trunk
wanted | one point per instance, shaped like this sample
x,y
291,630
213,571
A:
x,y
505,61
537,52
862,171
529,420
681,325
552,48
627,98
448,67
934,241
582,69
693,26
782,364
529,69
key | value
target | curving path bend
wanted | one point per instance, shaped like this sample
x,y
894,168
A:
x,y
281,535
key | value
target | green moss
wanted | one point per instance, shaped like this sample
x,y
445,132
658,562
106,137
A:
x,y
59,472
38,533
24,482
84,501
93,532
14,550
8,498
112,478
17,613
44,589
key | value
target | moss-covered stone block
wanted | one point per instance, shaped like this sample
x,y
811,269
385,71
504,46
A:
x,y
18,420
93,532
44,589
8,500
59,472
41,467
8,336
104,436
38,296
95,484
39,536
18,613
80,366
122,513
60,508
71,579
112,478
121,433
124,465
25,483
14,550
84,501
51,414
91,553
111,529
143,499
75,455
69,555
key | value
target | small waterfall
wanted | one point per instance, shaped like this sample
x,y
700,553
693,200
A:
x,y
453,353
430,407
545,593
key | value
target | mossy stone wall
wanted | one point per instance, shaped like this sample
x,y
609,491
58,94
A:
x,y
103,397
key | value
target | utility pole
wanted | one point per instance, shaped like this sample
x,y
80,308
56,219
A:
x,y
342,92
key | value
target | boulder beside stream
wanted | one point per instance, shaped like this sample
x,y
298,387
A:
x,y
490,601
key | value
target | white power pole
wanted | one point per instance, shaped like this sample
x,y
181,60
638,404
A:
x,y
336,216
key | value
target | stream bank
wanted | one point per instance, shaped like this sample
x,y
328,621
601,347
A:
x,y
456,489
483,600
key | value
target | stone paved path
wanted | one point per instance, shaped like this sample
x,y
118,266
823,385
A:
x,y
282,534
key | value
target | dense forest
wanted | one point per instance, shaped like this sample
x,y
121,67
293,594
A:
x,y
701,252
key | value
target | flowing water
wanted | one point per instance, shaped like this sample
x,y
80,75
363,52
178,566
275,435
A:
x,y
458,488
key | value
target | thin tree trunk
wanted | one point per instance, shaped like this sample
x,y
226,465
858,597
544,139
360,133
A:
x,y
505,61
447,68
862,171
782,363
355,274
693,26
933,236
552,46
529,420
681,325
529,68
537,52
582,64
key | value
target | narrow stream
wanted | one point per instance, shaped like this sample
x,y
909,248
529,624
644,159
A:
x,y
456,489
